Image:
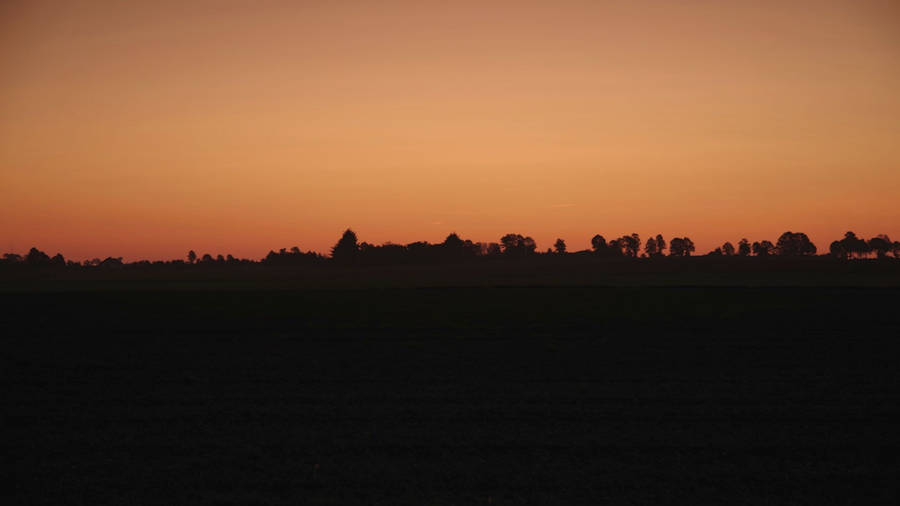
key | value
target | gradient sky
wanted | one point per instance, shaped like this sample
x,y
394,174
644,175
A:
x,y
144,129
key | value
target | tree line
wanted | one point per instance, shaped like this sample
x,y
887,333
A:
x,y
348,250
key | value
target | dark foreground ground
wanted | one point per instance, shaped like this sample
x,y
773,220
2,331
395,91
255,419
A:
x,y
518,395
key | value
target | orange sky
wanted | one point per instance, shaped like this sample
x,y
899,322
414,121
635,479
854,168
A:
x,y
237,127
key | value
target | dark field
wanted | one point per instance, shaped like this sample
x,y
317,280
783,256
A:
x,y
490,395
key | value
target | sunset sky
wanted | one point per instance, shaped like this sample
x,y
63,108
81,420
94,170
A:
x,y
145,129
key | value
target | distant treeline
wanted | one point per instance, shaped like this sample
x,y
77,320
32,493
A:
x,y
349,251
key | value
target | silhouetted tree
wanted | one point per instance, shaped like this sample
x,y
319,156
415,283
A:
x,y
111,263
881,245
528,245
862,248
58,261
792,244
453,248
419,251
389,253
284,257
763,248
37,258
855,246
630,245
614,248
660,244
688,246
681,247
598,244
510,242
517,245
559,246
491,249
837,250
453,242
457,249
346,248
650,247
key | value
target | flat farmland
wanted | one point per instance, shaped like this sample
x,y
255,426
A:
x,y
463,395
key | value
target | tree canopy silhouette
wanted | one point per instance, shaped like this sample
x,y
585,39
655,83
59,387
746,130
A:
x,y
650,248
348,250
763,248
516,245
347,247
598,244
792,244
630,245
660,244
37,258
681,247
559,246
881,245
